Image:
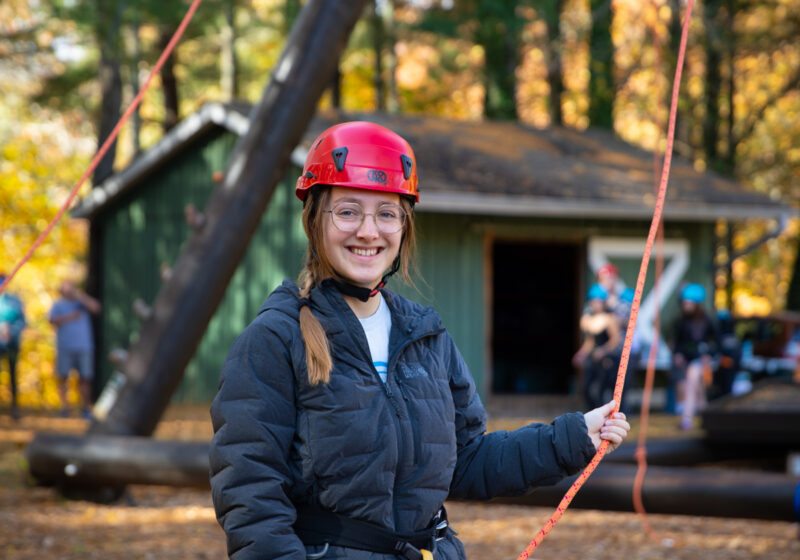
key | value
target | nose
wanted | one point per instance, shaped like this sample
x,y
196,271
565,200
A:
x,y
368,228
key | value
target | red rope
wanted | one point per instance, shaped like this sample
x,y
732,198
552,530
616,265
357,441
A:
x,y
626,351
107,144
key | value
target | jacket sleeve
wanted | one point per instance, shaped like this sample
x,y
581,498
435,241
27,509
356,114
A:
x,y
504,463
253,416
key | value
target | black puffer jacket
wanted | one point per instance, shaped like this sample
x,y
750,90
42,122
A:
x,y
390,454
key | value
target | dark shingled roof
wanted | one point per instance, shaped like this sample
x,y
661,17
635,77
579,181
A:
x,y
503,168
516,167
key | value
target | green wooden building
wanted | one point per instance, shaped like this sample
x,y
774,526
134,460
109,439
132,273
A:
x,y
513,222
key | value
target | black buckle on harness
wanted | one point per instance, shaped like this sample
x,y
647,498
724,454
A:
x,y
441,526
408,550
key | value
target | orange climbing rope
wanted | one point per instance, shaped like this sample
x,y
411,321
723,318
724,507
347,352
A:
x,y
107,144
626,351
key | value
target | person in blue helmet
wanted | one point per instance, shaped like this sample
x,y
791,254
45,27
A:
x,y
694,344
346,415
598,355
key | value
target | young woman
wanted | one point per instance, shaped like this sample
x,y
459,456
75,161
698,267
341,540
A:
x,y
345,415
598,355
694,345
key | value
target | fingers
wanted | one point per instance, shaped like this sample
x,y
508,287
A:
x,y
615,429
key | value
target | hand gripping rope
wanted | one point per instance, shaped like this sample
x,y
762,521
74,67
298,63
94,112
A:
x,y
626,351
111,137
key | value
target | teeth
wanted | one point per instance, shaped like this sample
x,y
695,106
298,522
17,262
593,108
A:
x,y
365,252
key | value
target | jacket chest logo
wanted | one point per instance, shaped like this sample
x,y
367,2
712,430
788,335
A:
x,y
410,371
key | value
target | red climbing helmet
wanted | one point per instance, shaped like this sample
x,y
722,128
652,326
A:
x,y
361,155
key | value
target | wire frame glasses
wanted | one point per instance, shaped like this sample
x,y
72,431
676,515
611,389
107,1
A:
x,y
348,217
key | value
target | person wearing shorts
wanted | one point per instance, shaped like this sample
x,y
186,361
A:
x,y
71,315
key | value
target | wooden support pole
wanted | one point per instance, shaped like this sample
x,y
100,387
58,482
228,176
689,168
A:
x,y
189,297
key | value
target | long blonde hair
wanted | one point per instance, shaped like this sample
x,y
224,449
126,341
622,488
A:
x,y
317,268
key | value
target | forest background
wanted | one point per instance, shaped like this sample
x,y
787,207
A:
x,y
69,68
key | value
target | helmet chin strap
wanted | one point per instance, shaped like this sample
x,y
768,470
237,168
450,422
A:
x,y
361,293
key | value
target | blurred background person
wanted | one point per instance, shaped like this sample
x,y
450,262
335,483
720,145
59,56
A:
x,y
12,323
71,315
693,348
623,315
730,355
597,355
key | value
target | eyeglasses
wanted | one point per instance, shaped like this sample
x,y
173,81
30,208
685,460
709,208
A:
x,y
348,217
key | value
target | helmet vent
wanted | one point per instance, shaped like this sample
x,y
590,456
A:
x,y
339,155
408,166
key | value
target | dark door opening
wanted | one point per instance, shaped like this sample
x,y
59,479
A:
x,y
534,327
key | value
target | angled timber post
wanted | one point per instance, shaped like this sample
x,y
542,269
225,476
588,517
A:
x,y
187,301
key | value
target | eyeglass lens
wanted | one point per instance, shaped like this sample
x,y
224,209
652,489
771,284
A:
x,y
389,218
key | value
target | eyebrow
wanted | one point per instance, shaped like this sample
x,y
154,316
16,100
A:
x,y
357,201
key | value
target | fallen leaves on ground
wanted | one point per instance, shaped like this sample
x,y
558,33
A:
x,y
154,522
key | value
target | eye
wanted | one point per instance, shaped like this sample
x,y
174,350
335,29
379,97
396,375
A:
x,y
388,215
347,213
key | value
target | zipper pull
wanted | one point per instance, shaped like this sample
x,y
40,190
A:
x,y
402,390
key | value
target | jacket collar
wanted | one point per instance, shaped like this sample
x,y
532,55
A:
x,y
410,319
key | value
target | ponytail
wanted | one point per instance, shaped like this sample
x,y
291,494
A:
x,y
317,267
318,353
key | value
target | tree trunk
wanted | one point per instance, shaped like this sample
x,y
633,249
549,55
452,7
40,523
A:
x,y
601,66
169,84
378,38
555,71
498,34
111,93
188,299
713,83
136,116
730,40
793,295
392,104
336,87
227,60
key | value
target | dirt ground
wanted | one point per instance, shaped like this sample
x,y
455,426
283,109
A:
x,y
154,522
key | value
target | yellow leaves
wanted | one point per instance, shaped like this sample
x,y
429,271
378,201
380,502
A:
x,y
39,166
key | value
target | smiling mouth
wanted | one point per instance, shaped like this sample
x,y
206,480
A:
x,y
365,252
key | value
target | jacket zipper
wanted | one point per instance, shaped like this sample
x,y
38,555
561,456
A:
x,y
415,433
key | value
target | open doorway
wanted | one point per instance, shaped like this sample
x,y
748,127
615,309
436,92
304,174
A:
x,y
534,316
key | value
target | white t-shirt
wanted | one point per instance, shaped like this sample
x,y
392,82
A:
x,y
377,328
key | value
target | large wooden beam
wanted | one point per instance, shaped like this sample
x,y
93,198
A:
x,y
99,466
97,461
686,452
711,492
187,301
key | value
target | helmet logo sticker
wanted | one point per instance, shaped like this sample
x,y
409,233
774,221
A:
x,y
376,176
339,155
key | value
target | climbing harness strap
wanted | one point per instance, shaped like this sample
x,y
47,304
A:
x,y
318,526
